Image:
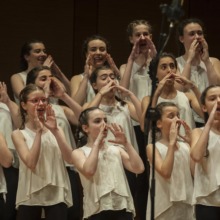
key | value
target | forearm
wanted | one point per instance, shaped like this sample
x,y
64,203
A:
x,y
198,151
137,104
80,95
77,109
14,111
125,81
187,70
167,166
135,160
33,155
90,165
96,100
213,75
6,157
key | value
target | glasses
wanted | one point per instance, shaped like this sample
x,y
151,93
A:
x,y
37,100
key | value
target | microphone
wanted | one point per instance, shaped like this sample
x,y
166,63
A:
x,y
174,11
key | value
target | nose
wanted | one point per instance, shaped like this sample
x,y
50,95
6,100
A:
x,y
43,53
142,36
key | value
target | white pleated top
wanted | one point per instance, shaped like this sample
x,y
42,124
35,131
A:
x,y
198,77
120,114
179,187
49,184
207,175
108,189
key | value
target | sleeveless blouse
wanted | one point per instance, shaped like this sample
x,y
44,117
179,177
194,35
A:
x,y
49,183
207,175
120,114
198,76
108,189
179,187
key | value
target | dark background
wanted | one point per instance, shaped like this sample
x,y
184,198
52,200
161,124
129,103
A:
x,y
63,25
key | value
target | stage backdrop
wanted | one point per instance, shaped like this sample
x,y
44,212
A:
x,y
63,26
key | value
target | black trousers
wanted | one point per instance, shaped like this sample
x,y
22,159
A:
x,y
142,182
207,212
2,206
53,212
11,176
112,215
75,211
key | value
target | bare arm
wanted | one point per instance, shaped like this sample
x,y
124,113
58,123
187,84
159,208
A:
x,y
130,157
79,83
165,166
6,157
144,106
17,84
28,156
59,92
88,165
200,138
12,106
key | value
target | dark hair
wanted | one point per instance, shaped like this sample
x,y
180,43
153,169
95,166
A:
x,y
159,110
203,97
23,97
81,136
94,76
33,74
155,61
91,38
180,31
25,50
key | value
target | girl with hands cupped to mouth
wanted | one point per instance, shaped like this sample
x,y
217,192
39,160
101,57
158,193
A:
x,y
165,68
101,165
205,152
42,149
173,167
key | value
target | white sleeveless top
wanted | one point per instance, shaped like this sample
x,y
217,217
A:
x,y
182,102
120,114
198,76
207,175
63,122
140,82
108,189
6,126
179,187
49,184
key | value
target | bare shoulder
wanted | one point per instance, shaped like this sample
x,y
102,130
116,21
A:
x,y
77,78
214,59
122,68
196,132
15,77
78,153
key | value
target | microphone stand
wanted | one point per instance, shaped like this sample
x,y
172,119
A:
x,y
173,15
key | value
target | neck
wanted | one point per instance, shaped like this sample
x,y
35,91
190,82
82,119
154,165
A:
x,y
168,91
216,125
107,100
